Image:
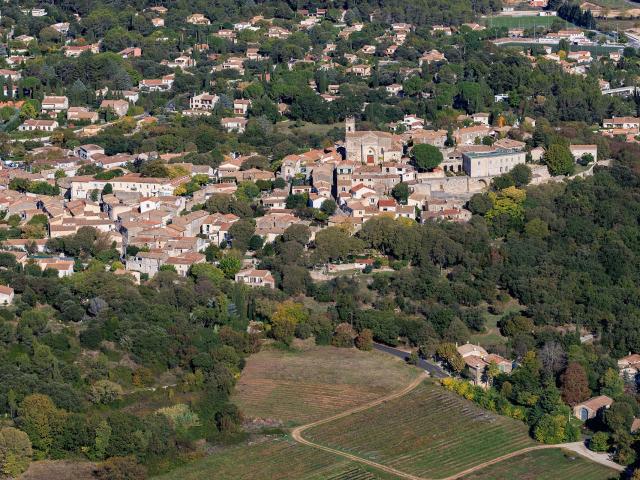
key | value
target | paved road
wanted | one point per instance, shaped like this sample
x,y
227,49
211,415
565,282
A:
x,y
434,370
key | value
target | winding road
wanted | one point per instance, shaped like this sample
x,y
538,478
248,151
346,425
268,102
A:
x,y
296,434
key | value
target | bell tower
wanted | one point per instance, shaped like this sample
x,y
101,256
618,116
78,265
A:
x,y
350,125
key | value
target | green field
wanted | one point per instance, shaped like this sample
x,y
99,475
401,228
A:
x,y
522,22
301,386
429,432
544,465
273,459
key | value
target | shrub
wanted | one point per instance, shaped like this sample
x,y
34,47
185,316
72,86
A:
x,y
105,391
599,442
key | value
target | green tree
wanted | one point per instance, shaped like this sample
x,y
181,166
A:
x,y
15,451
328,207
230,265
241,233
401,192
41,420
449,354
559,160
611,384
521,175
101,441
201,271
426,157
288,314
552,429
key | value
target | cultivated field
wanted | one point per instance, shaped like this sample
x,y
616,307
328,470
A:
x,y
299,387
273,459
429,432
545,465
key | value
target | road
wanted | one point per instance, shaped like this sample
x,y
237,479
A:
x,y
434,370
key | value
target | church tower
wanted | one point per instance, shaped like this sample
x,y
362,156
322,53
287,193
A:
x,y
350,125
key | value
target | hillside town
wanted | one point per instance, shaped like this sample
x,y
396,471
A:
x,y
394,229
361,174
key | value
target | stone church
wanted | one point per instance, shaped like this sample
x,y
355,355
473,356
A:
x,y
371,147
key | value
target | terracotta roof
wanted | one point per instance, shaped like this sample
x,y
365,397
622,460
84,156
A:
x,y
596,403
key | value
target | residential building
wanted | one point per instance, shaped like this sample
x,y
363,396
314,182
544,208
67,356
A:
x,y
204,101
198,19
626,123
6,295
478,361
53,105
256,278
234,124
31,125
119,107
82,114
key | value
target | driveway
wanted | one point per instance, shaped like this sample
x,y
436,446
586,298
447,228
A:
x,y
433,369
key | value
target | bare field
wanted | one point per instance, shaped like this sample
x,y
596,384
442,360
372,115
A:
x,y
299,387
59,470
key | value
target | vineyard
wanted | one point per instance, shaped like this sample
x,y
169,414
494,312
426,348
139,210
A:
x,y
274,459
429,432
544,465
299,387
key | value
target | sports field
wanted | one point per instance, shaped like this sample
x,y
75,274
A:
x,y
299,387
545,465
429,432
274,459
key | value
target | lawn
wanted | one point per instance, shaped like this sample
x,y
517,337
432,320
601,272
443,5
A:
x,y
301,386
291,127
429,432
492,335
545,465
275,458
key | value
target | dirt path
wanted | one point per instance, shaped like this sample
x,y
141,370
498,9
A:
x,y
296,433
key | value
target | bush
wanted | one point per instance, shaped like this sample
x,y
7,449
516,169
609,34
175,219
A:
x,y
343,336
364,340
599,442
120,468
104,391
